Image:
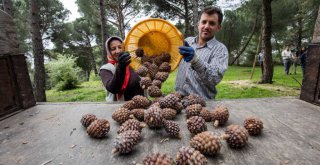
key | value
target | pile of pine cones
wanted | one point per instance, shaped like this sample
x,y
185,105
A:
x,y
161,111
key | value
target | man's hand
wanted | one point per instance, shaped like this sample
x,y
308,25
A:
x,y
124,59
186,51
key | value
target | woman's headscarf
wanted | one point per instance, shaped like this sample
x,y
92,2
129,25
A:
x,y
113,61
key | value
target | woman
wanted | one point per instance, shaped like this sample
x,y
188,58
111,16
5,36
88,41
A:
x,y
121,82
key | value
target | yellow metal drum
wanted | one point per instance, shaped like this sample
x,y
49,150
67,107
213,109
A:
x,y
154,35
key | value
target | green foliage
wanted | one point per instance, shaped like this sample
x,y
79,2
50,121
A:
x,y
94,90
63,73
94,77
91,91
168,86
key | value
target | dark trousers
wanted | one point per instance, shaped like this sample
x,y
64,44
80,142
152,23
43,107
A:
x,y
287,64
261,65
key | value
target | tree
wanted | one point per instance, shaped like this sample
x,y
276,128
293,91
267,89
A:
x,y
195,15
177,9
122,12
267,63
39,78
8,7
76,38
104,34
240,32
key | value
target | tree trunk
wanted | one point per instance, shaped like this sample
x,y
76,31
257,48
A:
x,y
121,24
104,34
267,63
93,61
186,19
8,7
248,41
39,76
195,16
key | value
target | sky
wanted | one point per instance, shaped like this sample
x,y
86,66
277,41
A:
x,y
72,6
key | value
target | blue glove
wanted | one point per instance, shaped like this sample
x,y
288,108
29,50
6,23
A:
x,y
187,52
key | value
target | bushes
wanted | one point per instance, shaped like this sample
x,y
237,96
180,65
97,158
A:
x,y
63,72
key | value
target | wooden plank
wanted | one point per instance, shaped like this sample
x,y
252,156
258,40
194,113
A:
x,y
50,131
316,32
23,81
9,101
310,80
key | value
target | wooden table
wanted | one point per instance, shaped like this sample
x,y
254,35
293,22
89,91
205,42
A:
x,y
51,133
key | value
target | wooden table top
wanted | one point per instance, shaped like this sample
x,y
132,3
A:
x,y
51,133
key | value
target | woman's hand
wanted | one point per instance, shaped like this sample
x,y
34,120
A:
x,y
124,59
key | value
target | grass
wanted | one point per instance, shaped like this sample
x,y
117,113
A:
x,y
235,84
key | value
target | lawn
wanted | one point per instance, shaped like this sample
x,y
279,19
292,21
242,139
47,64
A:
x,y
235,84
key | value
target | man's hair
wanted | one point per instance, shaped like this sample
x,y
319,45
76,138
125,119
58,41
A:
x,y
212,10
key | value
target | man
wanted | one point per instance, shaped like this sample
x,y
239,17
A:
x,y
303,57
205,58
286,57
260,60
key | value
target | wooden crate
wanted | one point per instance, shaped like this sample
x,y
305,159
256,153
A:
x,y
310,90
15,86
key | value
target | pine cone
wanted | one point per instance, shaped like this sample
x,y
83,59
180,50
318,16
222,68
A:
x,y
99,128
131,124
121,115
154,91
220,116
193,110
157,83
178,107
145,82
142,71
162,76
153,117
165,57
145,59
188,155
139,52
177,94
165,67
138,114
141,101
236,136
129,105
152,70
206,115
196,124
125,142
157,159
169,113
206,143
253,125
146,64
193,99
87,119
168,101
172,128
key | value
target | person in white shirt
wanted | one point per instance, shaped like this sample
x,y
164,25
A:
x,y
260,60
286,57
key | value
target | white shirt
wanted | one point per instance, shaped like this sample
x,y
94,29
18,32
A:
x,y
286,55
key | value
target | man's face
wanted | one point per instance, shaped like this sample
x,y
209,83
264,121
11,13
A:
x,y
208,26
